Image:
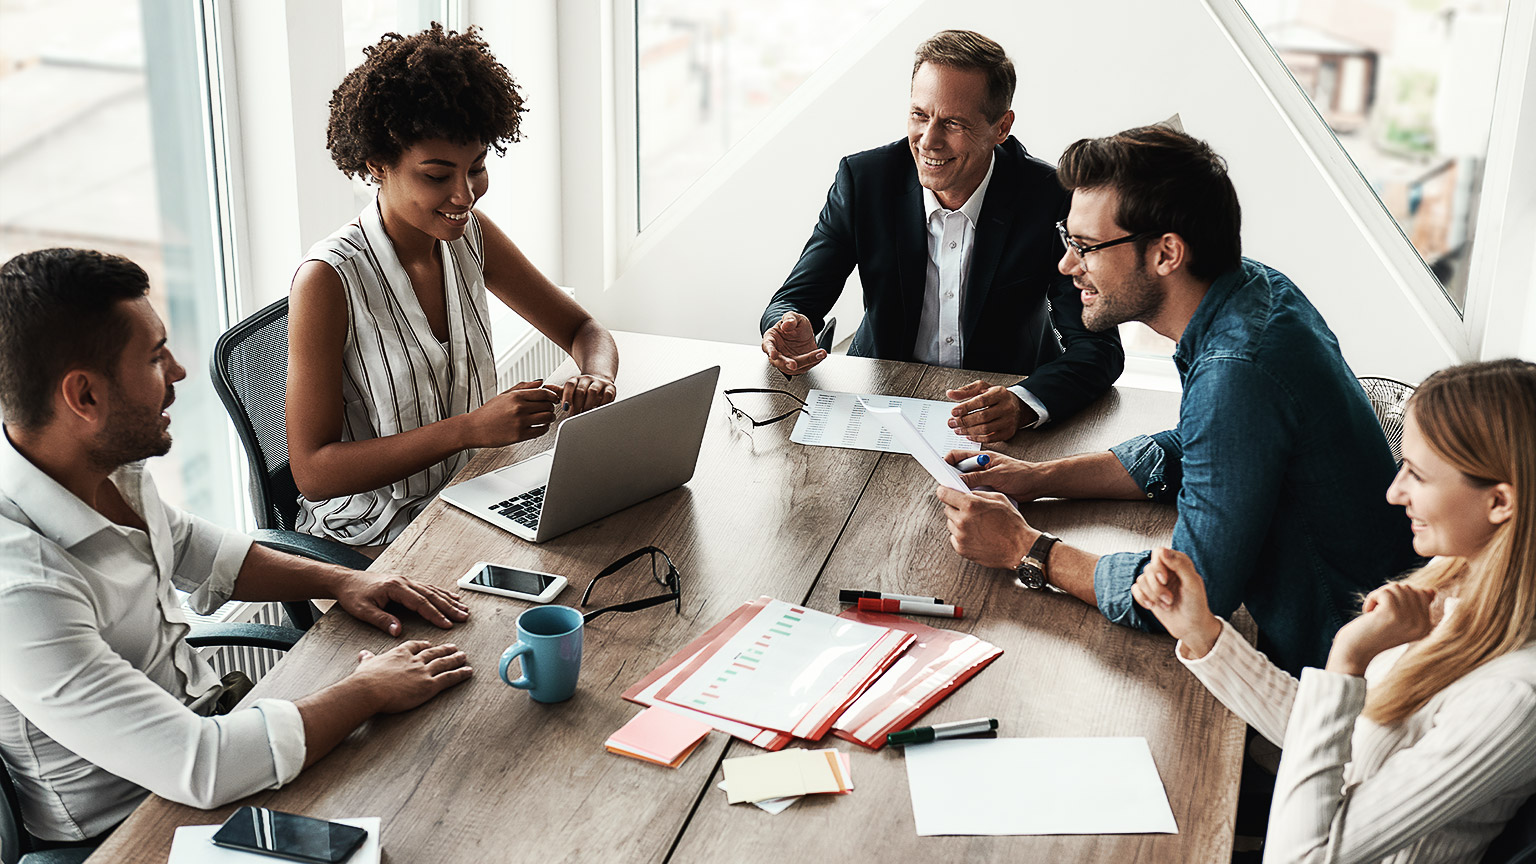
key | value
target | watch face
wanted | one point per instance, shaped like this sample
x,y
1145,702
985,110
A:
x,y
1030,576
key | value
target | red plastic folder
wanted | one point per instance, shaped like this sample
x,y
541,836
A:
x,y
786,668
643,692
938,662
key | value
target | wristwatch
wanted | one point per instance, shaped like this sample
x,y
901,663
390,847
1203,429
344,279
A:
x,y
1031,571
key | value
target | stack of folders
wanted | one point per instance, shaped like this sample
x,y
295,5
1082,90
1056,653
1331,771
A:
x,y
660,736
772,671
780,778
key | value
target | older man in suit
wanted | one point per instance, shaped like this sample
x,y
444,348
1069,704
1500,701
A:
x,y
952,231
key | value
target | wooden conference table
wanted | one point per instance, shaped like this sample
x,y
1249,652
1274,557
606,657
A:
x,y
483,773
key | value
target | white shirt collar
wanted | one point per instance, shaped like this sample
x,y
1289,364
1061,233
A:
x,y
972,206
53,510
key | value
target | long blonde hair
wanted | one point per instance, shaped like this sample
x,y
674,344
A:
x,y
1481,418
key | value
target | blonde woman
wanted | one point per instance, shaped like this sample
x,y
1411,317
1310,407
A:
x,y
1417,742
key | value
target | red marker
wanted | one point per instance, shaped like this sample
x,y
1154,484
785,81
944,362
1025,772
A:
x,y
907,607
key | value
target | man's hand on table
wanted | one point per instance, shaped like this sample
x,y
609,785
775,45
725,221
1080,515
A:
x,y
791,344
409,674
364,594
988,413
986,528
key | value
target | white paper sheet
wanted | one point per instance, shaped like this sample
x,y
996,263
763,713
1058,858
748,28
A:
x,y
778,666
193,844
906,437
840,420
1037,786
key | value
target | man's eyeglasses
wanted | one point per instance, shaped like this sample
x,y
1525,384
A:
x,y
1081,251
744,423
670,580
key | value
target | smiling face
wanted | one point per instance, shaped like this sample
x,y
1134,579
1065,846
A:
x,y
1114,283
142,387
948,131
1449,513
431,188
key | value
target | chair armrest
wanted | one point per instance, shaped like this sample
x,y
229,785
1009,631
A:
x,y
312,547
244,635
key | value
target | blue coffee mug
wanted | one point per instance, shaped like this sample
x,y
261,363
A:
x,y
549,643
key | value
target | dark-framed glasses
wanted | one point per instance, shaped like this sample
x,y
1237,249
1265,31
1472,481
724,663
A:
x,y
744,423
670,579
1076,247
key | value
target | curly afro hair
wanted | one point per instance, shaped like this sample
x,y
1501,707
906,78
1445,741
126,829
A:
x,y
434,84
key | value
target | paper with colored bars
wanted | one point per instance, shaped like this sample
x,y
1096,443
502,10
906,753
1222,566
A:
x,y
938,662
789,669
836,419
693,655
661,734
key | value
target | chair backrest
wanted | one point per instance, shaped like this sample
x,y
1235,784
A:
x,y
1389,399
250,372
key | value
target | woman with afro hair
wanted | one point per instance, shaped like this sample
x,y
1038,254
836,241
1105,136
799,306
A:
x,y
391,376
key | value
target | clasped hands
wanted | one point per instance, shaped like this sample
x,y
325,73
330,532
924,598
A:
x,y
988,413
526,409
1173,591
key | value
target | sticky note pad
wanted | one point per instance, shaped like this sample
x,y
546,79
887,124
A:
x,y
782,774
660,736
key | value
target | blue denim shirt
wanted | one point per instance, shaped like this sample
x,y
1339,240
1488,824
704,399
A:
x,y
1279,470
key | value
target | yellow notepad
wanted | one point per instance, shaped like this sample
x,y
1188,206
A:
x,y
783,774
660,736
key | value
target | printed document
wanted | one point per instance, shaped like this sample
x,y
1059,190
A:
x,y
840,420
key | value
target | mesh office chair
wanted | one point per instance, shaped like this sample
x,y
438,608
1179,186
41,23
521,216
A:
x,y
19,847
1389,399
250,372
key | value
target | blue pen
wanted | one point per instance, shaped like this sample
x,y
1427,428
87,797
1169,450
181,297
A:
x,y
975,463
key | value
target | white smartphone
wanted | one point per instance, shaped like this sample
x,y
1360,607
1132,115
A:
x,y
515,582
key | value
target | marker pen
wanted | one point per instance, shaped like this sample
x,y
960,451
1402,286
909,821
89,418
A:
x,y
848,596
907,607
975,463
924,734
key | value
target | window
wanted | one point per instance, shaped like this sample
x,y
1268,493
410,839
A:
x,y
1407,88
707,71
106,144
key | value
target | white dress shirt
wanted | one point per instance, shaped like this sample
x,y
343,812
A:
x,y
1437,787
99,691
951,240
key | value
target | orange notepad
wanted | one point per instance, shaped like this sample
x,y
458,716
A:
x,y
658,735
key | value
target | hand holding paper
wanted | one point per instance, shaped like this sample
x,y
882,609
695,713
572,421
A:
x,y
908,438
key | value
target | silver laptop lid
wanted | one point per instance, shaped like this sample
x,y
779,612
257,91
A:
x,y
626,451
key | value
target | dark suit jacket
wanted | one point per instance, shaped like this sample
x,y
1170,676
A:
x,y
1019,314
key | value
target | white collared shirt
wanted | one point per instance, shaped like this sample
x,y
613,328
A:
x,y
951,240
97,682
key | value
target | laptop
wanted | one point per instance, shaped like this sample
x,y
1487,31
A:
x,y
603,460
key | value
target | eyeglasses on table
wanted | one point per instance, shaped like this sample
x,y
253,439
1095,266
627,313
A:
x,y
672,580
744,423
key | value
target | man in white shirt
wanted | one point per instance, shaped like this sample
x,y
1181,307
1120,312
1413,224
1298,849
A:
x,y
101,699
986,295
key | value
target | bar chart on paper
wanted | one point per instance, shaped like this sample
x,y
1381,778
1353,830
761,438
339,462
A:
x,y
776,669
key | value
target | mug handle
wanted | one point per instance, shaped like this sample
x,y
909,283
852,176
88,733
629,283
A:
x,y
514,650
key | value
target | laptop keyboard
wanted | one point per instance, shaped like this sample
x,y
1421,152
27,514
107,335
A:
x,y
523,509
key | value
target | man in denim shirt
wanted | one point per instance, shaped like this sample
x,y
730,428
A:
x,y
1278,465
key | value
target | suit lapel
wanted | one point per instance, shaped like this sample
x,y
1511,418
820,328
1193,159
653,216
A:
x,y
998,212
912,257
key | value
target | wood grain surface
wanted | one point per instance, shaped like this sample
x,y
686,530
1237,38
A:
x,y
484,773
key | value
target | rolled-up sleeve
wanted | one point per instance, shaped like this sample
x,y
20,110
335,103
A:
x,y
61,674
208,559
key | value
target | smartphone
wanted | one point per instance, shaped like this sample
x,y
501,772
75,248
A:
x,y
513,582
287,835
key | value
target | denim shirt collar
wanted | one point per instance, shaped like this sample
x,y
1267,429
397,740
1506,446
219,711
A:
x,y
1192,343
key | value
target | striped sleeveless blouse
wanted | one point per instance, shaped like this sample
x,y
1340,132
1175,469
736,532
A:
x,y
396,376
